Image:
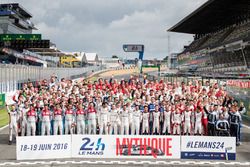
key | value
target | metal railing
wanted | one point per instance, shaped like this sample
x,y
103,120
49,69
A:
x,y
13,76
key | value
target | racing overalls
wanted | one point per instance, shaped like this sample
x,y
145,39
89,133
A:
x,y
13,116
58,124
176,121
212,118
104,120
45,122
31,123
113,118
187,122
151,108
24,120
145,123
125,122
68,122
198,123
91,121
167,122
136,119
156,123
80,121
235,120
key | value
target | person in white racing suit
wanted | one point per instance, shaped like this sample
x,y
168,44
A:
x,y
58,124
13,117
176,121
186,118
145,121
45,121
113,120
23,118
124,121
198,121
31,121
136,120
91,119
69,120
156,121
80,120
167,121
130,114
104,116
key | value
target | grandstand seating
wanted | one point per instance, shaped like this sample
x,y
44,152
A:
x,y
214,38
221,37
225,36
196,44
247,55
224,59
242,31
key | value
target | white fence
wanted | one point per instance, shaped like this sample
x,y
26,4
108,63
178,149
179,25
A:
x,y
12,76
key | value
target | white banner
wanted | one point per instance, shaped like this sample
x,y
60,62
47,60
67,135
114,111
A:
x,y
208,147
116,146
43,147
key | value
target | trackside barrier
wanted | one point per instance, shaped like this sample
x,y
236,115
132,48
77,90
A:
x,y
119,146
13,76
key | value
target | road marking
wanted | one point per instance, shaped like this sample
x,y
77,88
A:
x,y
2,128
245,126
126,162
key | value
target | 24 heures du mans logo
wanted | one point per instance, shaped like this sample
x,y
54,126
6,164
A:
x,y
92,147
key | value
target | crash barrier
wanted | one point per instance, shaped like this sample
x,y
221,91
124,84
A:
x,y
12,77
119,146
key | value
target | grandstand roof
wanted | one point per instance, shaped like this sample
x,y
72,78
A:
x,y
214,15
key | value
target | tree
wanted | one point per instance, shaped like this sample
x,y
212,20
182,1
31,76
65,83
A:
x,y
114,57
166,58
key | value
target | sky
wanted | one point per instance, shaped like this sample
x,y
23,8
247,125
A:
x,y
103,26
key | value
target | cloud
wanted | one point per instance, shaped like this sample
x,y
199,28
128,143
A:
x,y
104,26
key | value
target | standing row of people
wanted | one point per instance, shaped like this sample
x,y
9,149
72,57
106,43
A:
x,y
127,107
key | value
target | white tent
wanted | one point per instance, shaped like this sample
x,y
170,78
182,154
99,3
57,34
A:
x,y
92,58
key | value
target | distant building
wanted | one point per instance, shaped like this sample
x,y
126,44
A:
x,y
81,56
14,19
111,62
172,60
92,58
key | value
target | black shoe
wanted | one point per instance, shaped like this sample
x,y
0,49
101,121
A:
x,y
10,142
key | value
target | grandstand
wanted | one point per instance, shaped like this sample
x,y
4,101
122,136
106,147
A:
x,y
221,43
15,19
17,40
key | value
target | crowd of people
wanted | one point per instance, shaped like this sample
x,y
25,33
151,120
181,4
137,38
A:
x,y
127,107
